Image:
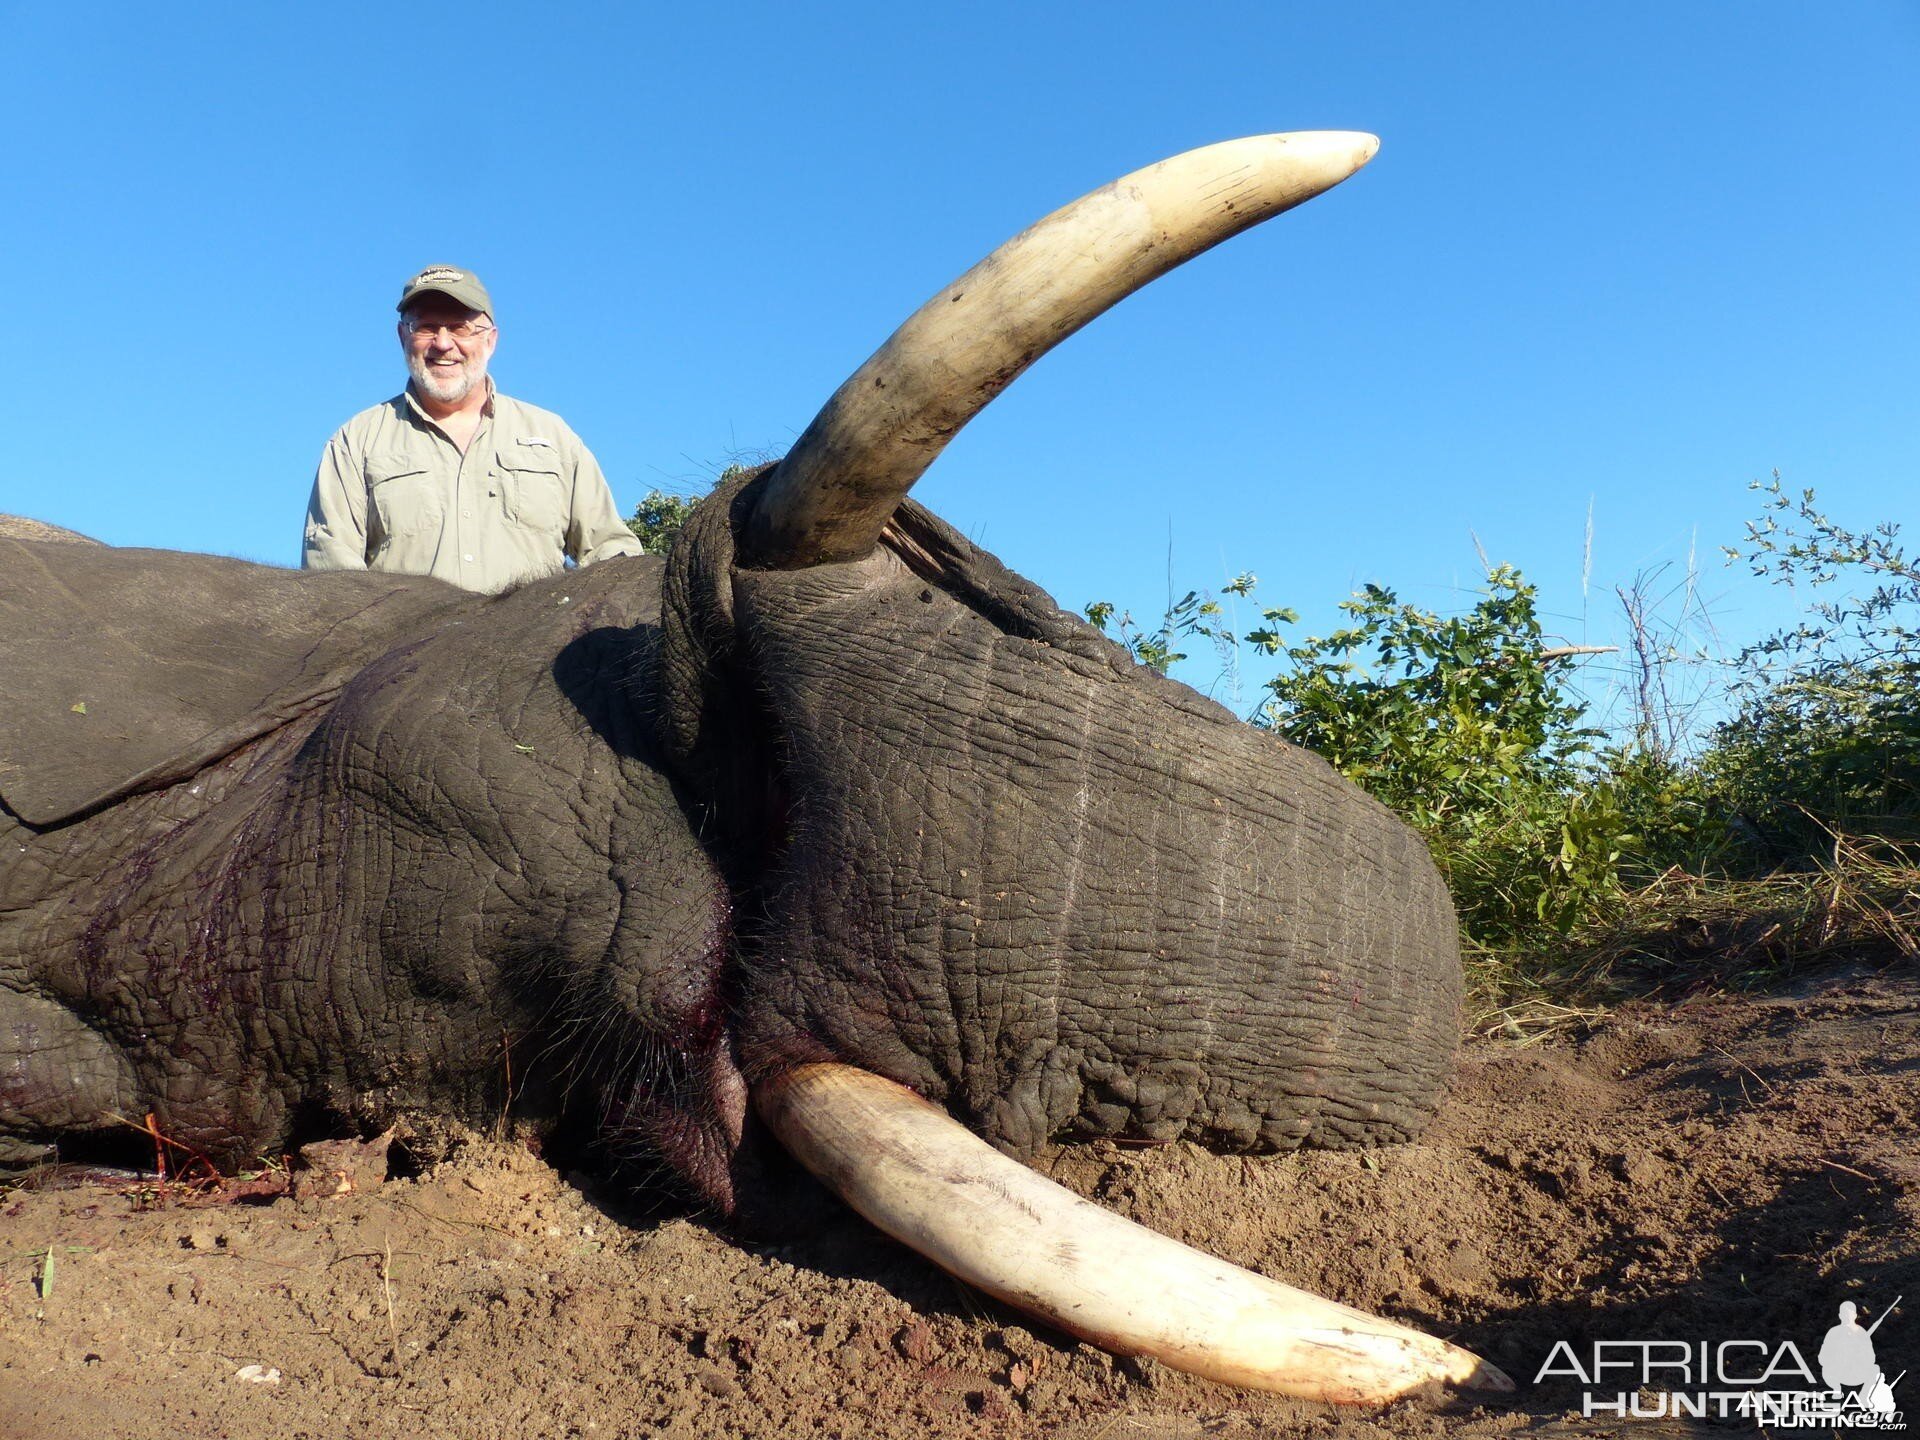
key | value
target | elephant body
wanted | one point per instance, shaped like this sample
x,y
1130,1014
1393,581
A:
x,y
622,841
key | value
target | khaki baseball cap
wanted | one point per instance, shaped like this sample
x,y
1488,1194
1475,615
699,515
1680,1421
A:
x,y
461,286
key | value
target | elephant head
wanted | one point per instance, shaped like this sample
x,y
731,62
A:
x,y
973,849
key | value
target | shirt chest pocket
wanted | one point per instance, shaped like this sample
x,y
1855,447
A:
x,y
531,491
403,496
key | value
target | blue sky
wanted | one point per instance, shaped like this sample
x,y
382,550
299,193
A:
x,y
1624,256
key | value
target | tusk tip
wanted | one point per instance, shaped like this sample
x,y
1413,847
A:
x,y
1481,1376
1342,150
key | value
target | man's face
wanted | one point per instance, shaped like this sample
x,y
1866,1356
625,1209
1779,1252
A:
x,y
445,367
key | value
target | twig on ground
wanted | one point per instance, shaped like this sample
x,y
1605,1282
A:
x,y
1844,1169
386,1288
1741,1064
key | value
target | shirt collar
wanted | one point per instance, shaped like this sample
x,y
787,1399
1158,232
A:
x,y
412,404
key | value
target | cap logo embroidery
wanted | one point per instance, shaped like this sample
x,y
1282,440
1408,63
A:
x,y
441,273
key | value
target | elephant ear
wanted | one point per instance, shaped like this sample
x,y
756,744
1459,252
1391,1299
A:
x,y
129,670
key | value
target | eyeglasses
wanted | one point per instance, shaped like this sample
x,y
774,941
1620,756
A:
x,y
463,330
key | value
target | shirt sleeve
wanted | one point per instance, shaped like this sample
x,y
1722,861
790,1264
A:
x,y
595,530
336,533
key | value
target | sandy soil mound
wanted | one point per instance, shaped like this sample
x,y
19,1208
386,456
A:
x,y
1729,1169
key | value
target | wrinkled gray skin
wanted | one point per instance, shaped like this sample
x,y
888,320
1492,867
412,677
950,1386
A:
x,y
659,830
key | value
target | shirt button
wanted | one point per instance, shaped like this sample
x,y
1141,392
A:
x,y
467,514
469,559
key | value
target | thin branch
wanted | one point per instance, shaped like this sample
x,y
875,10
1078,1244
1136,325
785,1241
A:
x,y
1562,652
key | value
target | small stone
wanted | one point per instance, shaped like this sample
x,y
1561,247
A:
x,y
916,1342
258,1374
988,1404
341,1167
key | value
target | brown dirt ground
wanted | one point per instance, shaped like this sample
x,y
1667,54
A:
x,y
1727,1167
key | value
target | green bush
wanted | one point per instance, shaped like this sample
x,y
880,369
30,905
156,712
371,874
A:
x,y
660,513
1195,614
1464,726
1670,816
1812,757
658,518
1825,737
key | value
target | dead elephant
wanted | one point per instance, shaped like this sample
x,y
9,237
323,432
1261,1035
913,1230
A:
x,y
827,828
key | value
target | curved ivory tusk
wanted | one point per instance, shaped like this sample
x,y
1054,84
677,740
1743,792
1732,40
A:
x,y
832,495
927,1181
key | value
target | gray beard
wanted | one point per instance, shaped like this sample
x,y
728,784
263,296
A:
x,y
434,387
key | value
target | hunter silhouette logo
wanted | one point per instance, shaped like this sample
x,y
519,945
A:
x,y
1848,1363
1766,1381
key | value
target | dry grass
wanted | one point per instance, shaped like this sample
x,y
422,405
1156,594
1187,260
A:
x,y
1684,935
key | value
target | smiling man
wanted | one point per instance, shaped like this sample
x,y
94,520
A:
x,y
452,478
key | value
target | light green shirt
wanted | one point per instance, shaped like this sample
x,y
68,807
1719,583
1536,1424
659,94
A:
x,y
394,493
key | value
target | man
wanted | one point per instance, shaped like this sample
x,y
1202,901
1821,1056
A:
x,y
452,478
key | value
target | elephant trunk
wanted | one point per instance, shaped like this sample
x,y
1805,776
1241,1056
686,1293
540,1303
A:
x,y
924,1179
